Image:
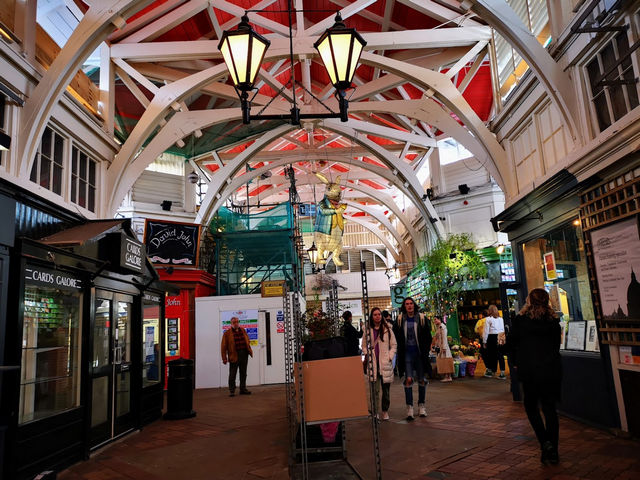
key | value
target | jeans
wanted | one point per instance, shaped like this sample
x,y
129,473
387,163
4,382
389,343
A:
x,y
494,354
386,394
414,362
532,395
243,359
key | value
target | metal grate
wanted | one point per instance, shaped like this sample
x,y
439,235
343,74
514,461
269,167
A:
x,y
608,202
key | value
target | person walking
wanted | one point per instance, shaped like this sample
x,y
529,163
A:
x,y
413,335
441,344
479,329
534,350
352,335
383,350
236,349
493,341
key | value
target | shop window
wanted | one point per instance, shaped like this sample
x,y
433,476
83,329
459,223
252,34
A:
x,y
83,180
151,372
556,261
48,165
51,348
614,90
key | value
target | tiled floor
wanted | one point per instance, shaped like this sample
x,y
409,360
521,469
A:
x,y
473,431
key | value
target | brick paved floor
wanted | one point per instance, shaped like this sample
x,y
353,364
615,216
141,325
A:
x,y
473,431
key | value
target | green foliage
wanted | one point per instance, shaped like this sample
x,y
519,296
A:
x,y
449,268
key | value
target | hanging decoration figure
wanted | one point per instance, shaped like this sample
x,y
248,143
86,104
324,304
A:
x,y
330,222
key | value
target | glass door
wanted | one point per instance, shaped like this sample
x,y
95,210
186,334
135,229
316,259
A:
x,y
111,413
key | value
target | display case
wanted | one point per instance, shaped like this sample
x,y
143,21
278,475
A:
x,y
51,348
474,302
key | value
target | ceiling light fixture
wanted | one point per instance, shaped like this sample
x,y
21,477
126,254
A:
x,y
243,51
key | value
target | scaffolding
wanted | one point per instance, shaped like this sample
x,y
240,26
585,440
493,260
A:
x,y
256,247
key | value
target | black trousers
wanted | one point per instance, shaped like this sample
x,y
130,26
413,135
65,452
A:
x,y
243,360
535,397
494,354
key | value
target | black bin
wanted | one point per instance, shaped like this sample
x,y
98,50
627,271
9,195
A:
x,y
180,390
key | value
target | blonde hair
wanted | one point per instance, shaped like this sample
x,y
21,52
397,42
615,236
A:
x,y
493,311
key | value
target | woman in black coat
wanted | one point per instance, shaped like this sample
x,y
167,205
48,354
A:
x,y
534,345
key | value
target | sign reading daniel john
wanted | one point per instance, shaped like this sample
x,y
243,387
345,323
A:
x,y
616,253
170,243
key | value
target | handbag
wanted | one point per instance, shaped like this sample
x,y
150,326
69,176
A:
x,y
502,338
365,362
444,365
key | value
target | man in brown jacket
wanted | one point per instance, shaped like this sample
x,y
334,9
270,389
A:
x,y
236,349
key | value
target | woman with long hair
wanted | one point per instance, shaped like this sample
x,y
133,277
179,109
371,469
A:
x,y
534,346
413,333
493,330
384,347
441,344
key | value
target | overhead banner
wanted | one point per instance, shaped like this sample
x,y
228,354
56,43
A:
x,y
172,244
354,306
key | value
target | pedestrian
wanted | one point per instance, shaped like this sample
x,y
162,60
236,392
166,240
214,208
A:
x,y
534,348
493,341
441,344
479,329
384,348
236,349
352,335
386,316
413,335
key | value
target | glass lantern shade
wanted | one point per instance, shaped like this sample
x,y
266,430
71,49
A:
x,y
243,50
340,49
313,254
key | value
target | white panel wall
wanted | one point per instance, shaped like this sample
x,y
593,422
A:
x,y
154,187
468,171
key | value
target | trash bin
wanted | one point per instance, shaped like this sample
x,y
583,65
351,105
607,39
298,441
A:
x,y
180,390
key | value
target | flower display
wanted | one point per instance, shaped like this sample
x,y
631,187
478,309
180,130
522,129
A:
x,y
318,325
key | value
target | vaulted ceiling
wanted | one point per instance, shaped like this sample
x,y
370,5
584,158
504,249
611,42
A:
x,y
424,76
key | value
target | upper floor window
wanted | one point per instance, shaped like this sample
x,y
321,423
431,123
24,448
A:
x,y
614,90
48,165
83,180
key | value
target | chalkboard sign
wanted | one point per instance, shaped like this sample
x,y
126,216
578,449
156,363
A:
x,y
170,243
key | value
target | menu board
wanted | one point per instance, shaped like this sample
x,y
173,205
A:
x,y
173,336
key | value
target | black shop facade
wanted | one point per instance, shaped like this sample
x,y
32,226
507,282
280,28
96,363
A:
x,y
87,335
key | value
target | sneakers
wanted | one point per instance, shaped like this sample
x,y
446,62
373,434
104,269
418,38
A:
x,y
502,376
384,415
547,451
488,373
409,412
553,456
422,410
245,392
232,393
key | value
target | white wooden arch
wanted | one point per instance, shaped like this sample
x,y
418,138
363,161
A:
x,y
373,228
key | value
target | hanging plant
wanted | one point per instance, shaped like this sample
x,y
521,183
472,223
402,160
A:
x,y
449,261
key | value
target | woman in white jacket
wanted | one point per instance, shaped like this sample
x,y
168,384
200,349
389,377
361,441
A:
x,y
383,350
441,344
493,341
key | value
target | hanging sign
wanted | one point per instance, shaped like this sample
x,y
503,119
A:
x,y
398,294
550,266
170,243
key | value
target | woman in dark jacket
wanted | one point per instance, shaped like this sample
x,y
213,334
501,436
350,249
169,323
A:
x,y
413,334
352,335
534,345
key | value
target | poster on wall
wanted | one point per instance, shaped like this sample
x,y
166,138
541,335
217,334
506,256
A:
x,y
576,332
550,266
248,320
592,337
616,254
354,306
149,340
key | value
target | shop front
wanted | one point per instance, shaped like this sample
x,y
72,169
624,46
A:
x,y
549,251
83,343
